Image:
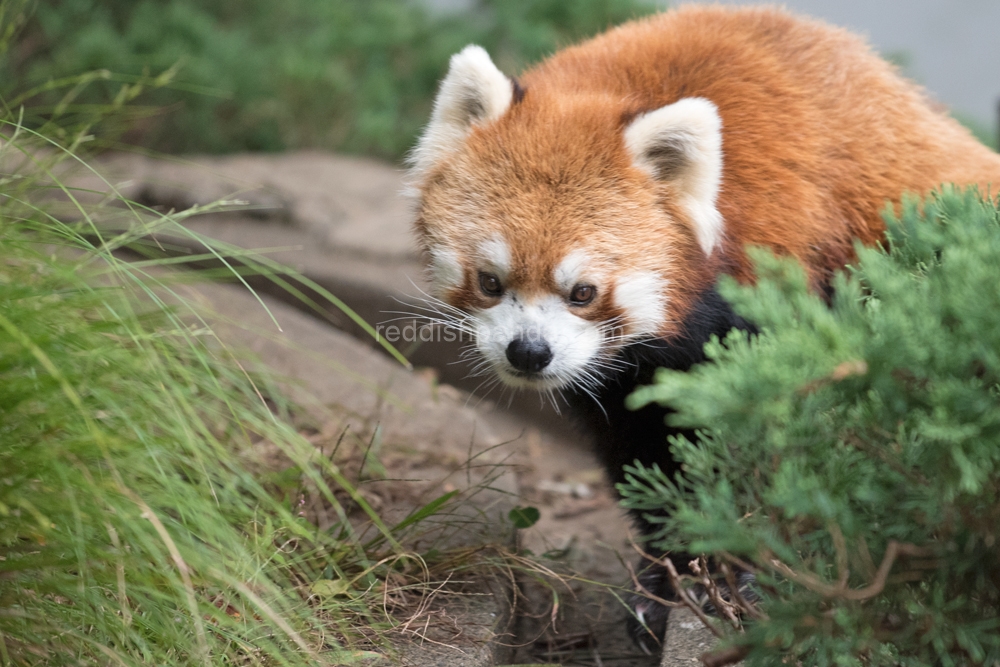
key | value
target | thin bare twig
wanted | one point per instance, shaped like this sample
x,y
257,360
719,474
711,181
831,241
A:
x,y
726,656
738,562
843,371
685,595
840,546
815,584
726,608
648,593
866,557
742,603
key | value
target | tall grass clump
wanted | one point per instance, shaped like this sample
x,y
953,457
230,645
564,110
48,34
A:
x,y
134,529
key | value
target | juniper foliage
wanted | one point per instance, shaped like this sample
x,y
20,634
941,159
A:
x,y
851,451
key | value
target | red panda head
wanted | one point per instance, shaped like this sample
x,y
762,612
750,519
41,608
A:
x,y
559,227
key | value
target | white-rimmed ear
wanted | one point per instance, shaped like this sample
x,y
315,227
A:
x,y
474,91
682,143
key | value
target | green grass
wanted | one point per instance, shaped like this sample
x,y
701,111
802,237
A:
x,y
133,529
259,75
142,517
139,520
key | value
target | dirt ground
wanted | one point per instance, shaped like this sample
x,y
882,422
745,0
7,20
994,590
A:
x,y
587,536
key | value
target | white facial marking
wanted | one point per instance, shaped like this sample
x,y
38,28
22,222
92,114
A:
x,y
643,297
682,143
445,269
573,341
494,255
571,269
474,91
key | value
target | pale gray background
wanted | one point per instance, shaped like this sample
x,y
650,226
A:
x,y
950,46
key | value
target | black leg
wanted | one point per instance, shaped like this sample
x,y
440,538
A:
x,y
625,437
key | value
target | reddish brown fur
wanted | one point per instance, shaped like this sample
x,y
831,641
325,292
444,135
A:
x,y
818,134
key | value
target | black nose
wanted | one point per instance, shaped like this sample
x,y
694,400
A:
x,y
527,355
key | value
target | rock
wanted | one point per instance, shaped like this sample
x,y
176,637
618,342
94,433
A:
x,y
480,616
343,222
687,639
348,204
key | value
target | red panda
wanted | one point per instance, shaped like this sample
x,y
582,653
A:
x,y
575,220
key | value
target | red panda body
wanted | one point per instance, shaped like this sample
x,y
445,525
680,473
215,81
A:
x,y
576,219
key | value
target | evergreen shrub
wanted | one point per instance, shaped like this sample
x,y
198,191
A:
x,y
850,453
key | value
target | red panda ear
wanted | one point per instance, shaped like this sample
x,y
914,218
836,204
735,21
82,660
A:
x,y
474,91
682,143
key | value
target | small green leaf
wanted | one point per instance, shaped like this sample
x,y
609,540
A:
x,y
524,517
423,512
329,587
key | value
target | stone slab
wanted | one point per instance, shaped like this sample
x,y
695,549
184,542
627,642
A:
x,y
341,221
347,204
687,639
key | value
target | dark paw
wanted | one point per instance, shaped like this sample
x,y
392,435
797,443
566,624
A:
x,y
745,585
647,624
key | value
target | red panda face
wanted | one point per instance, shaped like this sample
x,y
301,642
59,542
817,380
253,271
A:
x,y
543,339
553,228
544,284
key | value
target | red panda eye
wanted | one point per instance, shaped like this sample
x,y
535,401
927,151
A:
x,y
490,284
582,295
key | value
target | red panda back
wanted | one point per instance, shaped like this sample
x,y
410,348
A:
x,y
818,131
